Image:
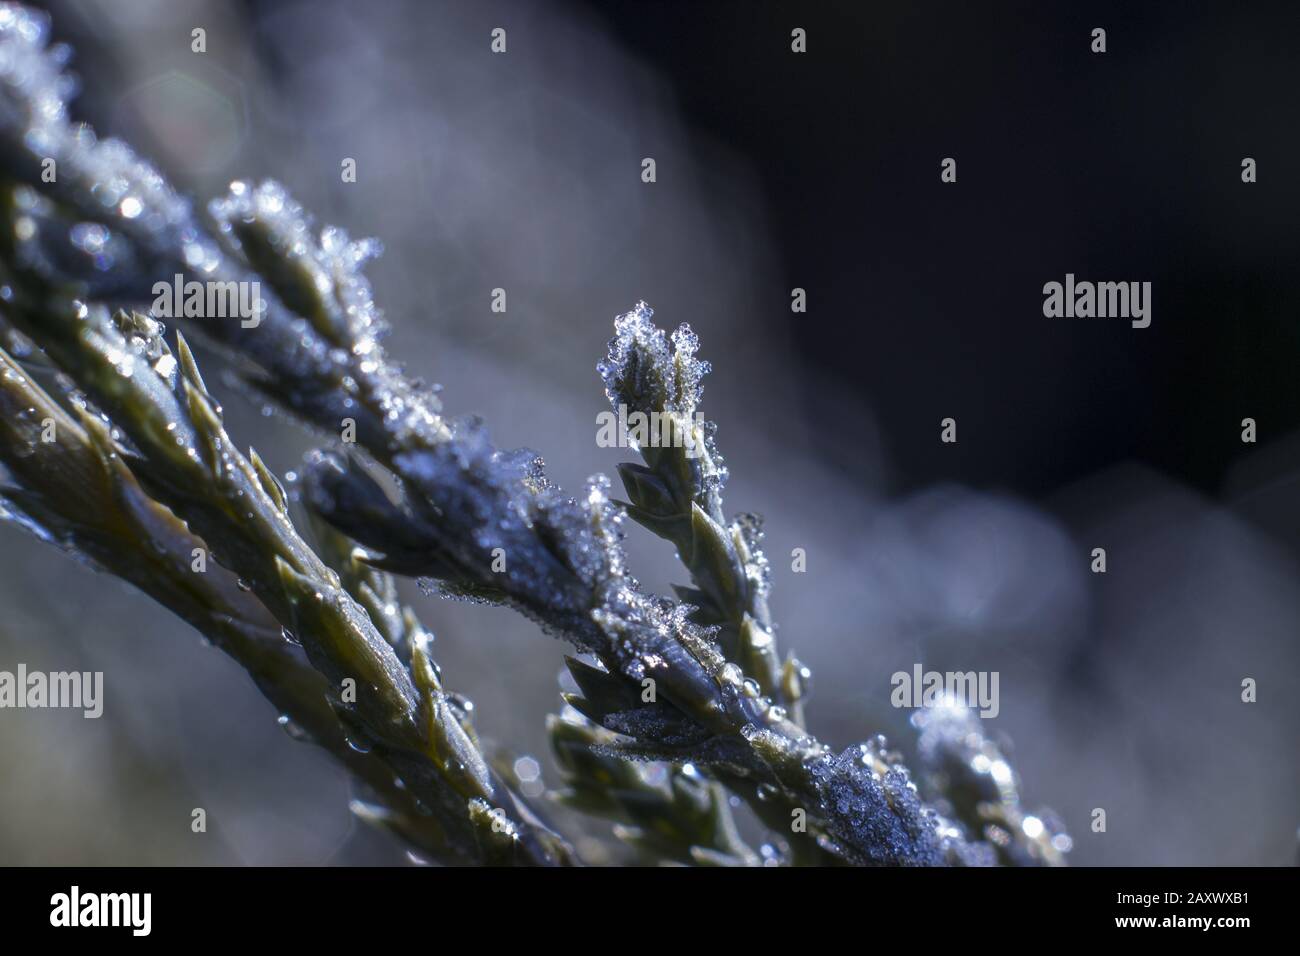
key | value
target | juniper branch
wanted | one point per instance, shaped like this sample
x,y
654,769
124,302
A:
x,y
704,711
67,483
683,818
179,444
147,230
677,494
316,350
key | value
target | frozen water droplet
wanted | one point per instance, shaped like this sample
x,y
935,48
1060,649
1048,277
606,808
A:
x,y
291,728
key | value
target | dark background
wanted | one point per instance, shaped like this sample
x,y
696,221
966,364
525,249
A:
x,y
926,297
